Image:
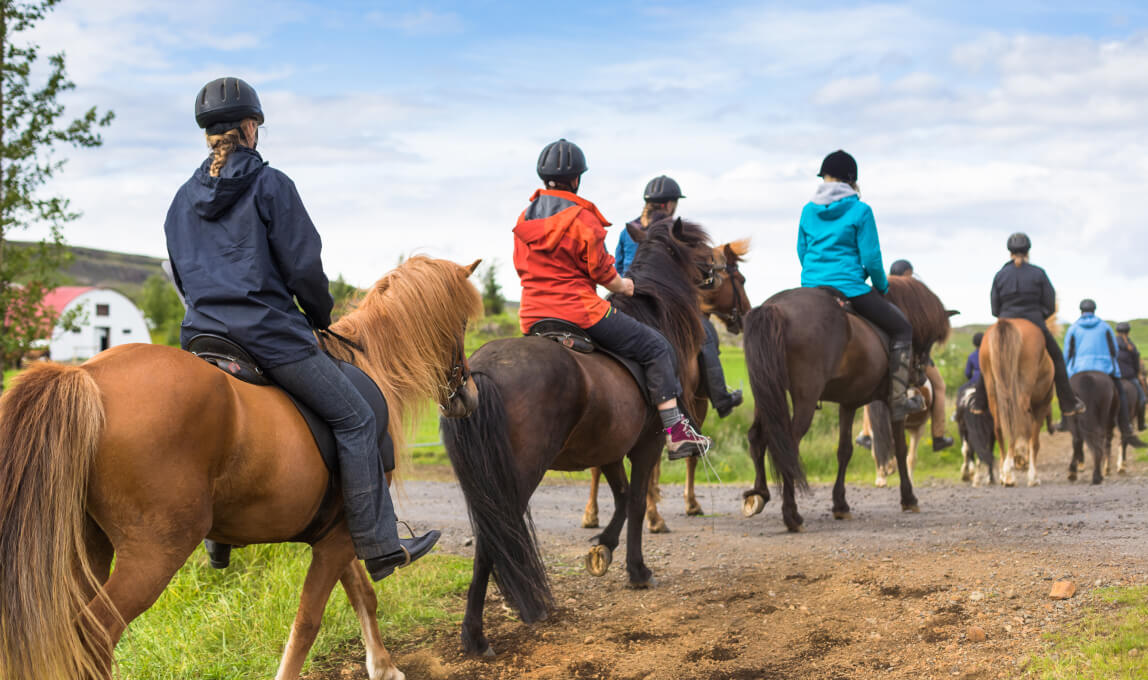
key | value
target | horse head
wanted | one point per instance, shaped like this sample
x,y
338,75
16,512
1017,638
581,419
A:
x,y
725,296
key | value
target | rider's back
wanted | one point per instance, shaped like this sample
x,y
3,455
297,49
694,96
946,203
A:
x,y
1023,292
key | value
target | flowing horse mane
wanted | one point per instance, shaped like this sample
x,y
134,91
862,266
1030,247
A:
x,y
409,325
924,310
664,298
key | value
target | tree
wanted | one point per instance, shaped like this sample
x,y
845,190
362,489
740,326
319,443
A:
x,y
344,295
32,127
493,301
162,308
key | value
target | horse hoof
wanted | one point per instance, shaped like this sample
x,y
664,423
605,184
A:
x,y
910,508
800,528
881,483
752,505
488,653
837,514
589,523
598,560
1072,476
1097,480
642,585
1121,471
658,527
694,510
1034,482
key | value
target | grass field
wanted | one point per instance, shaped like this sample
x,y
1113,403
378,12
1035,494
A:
x,y
1110,641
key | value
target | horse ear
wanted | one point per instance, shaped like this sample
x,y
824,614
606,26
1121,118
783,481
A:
x,y
730,254
472,266
676,231
952,312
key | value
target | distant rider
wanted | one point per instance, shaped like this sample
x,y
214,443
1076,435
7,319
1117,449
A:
x,y
560,254
973,363
661,196
1090,345
1022,291
838,247
244,252
1128,357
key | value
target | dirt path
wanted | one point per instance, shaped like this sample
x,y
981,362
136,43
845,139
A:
x,y
886,594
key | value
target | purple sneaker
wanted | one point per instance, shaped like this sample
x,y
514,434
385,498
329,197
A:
x,y
683,441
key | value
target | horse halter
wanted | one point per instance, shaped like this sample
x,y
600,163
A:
x,y
458,374
733,317
710,277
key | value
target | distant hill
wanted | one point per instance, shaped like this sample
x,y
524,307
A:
x,y
121,272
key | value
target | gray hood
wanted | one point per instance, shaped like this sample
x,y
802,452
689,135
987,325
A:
x,y
831,192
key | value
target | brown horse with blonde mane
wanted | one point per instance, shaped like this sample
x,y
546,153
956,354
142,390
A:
x,y
1018,375
802,342
726,299
143,451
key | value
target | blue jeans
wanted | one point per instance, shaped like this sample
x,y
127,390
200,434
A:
x,y
317,382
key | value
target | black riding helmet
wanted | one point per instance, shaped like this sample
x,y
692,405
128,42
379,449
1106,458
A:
x,y
224,103
561,160
839,165
1018,243
900,268
1088,305
662,189
1123,327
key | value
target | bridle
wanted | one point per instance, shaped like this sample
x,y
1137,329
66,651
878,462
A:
x,y
458,374
731,318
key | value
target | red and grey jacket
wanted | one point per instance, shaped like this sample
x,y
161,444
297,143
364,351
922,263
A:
x,y
560,254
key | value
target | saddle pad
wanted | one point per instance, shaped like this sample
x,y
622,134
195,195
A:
x,y
576,339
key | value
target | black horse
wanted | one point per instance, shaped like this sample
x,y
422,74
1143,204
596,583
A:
x,y
1093,427
544,407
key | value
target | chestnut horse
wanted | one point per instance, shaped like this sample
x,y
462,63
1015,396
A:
x,y
1018,376
545,407
145,450
802,342
723,295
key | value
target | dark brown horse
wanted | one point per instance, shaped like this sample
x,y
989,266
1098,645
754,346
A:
x,y
545,407
802,341
723,295
1094,427
142,452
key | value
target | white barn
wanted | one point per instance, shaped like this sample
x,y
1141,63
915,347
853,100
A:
x,y
106,319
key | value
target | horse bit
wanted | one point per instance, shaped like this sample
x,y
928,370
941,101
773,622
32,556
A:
x,y
457,376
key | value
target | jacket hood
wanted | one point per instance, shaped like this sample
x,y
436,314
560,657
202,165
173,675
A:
x,y
211,197
550,216
1088,321
834,199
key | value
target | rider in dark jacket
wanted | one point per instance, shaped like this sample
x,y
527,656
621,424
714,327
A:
x,y
1023,291
243,250
661,195
1128,358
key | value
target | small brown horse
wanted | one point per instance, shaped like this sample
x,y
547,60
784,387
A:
x,y
1018,375
802,342
726,299
142,452
545,407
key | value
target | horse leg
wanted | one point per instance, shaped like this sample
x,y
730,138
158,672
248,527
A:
x,y
642,461
590,514
654,520
1077,455
880,481
363,600
908,499
967,464
754,500
602,554
914,443
1033,449
844,453
473,639
804,407
1008,463
330,557
693,508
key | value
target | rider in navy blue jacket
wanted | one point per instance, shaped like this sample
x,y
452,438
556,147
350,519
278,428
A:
x,y
243,251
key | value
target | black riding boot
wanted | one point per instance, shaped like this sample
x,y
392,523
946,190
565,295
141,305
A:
x,y
900,403
1140,418
721,397
218,554
1125,421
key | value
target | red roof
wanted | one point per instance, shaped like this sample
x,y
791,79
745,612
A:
x,y
57,299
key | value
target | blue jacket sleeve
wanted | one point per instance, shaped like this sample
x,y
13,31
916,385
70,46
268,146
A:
x,y
1070,345
620,260
801,245
870,248
297,248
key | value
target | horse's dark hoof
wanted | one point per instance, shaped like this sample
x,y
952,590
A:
x,y
478,648
842,514
913,507
1072,476
598,560
646,584
795,528
1097,480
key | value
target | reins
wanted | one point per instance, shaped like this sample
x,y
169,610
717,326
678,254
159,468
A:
x,y
326,333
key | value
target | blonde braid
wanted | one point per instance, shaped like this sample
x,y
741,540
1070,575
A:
x,y
221,147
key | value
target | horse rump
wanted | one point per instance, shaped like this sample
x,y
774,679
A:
x,y
483,460
765,359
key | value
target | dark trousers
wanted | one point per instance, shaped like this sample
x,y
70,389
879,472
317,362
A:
x,y
317,382
710,362
874,307
623,334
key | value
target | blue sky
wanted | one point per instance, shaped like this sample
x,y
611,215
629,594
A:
x,y
414,127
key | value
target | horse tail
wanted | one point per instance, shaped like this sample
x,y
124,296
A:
x,y
1012,402
483,459
765,359
881,430
51,422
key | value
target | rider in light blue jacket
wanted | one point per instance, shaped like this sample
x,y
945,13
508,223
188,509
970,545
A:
x,y
1090,345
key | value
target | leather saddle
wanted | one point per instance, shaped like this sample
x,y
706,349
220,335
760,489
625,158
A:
x,y
576,339
847,306
237,362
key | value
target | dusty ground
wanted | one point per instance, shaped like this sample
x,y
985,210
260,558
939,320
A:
x,y
886,594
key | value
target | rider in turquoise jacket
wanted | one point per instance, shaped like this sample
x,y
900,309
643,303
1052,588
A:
x,y
838,247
